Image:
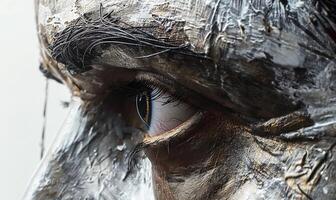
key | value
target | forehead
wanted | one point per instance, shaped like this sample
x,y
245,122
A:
x,y
250,26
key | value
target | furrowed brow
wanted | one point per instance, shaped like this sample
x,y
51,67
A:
x,y
77,45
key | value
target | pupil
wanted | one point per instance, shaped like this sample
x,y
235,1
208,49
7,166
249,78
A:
x,y
143,104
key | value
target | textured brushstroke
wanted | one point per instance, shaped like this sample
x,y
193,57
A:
x,y
271,62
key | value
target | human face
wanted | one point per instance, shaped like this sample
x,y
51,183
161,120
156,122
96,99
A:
x,y
244,103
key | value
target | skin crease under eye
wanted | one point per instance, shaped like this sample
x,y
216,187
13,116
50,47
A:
x,y
167,116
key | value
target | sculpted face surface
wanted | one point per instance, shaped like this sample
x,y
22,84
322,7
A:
x,y
199,99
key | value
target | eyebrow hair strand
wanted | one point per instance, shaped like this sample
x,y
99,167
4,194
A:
x,y
78,44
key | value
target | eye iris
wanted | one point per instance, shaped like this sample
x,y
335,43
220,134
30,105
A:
x,y
144,107
161,111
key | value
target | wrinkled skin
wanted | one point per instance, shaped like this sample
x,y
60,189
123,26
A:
x,y
264,73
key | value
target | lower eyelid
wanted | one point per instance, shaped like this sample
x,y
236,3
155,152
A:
x,y
158,125
179,132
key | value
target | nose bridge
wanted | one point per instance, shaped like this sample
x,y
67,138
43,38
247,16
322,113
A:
x,y
44,183
88,160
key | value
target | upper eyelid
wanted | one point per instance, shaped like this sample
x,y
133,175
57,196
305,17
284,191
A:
x,y
145,81
139,85
178,90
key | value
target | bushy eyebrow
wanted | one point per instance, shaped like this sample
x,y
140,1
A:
x,y
79,43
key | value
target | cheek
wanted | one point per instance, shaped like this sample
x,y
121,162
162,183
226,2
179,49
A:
x,y
196,148
199,162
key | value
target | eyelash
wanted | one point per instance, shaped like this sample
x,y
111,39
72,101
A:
x,y
139,87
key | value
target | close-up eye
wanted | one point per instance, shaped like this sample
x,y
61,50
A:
x,y
161,111
172,99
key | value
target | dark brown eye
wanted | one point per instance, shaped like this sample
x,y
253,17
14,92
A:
x,y
144,107
161,112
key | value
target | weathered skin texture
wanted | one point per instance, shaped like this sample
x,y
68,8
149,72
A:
x,y
265,70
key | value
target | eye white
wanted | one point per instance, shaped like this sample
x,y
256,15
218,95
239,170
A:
x,y
166,116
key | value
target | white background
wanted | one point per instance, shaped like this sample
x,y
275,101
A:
x,y
22,98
